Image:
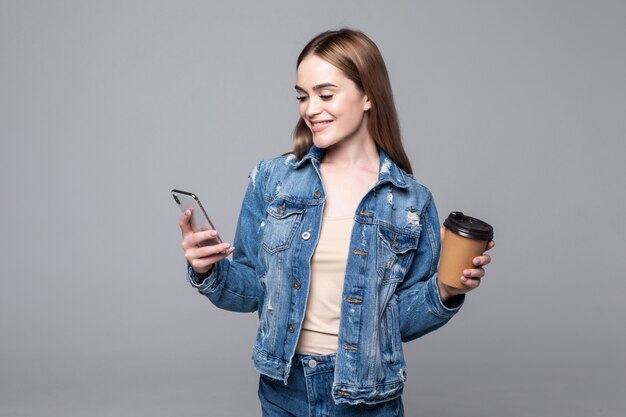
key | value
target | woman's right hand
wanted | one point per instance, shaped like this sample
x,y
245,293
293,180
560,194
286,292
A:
x,y
201,258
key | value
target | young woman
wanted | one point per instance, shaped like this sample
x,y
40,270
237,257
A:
x,y
336,246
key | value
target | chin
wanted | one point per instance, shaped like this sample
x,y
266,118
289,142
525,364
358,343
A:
x,y
322,143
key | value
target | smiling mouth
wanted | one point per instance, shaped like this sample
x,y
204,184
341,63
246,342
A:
x,y
319,126
321,123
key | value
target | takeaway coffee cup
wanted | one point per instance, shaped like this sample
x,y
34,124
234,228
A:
x,y
465,238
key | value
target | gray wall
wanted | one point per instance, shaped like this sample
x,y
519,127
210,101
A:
x,y
511,110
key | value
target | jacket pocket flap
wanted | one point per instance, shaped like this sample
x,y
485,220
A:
x,y
281,208
399,241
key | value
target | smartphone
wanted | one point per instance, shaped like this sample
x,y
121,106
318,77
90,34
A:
x,y
199,219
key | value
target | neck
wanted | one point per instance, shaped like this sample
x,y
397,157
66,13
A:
x,y
353,155
359,151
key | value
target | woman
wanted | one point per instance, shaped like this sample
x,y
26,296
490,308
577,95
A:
x,y
336,246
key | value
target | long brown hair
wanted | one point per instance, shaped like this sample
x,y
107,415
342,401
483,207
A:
x,y
358,57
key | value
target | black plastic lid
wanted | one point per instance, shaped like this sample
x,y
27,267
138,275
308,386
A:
x,y
468,227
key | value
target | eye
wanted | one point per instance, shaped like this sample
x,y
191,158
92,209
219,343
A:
x,y
301,98
326,97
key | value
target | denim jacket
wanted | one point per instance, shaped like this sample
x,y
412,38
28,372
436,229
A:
x,y
390,291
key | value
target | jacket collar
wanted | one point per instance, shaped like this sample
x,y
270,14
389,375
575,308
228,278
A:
x,y
388,171
314,154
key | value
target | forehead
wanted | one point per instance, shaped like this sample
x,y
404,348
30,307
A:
x,y
314,70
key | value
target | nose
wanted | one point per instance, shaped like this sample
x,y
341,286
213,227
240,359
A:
x,y
313,107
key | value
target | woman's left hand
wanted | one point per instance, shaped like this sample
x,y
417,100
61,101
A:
x,y
471,277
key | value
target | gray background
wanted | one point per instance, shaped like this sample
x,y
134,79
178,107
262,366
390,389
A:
x,y
511,110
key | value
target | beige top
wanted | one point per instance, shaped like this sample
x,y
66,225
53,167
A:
x,y
328,268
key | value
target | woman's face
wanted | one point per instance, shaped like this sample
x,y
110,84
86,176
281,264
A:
x,y
330,103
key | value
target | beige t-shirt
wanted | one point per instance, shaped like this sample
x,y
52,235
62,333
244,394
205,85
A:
x,y
328,267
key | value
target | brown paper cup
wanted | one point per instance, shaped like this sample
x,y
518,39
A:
x,y
457,254
465,238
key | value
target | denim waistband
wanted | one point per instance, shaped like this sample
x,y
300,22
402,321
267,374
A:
x,y
313,364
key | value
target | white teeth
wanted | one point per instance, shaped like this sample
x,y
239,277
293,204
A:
x,y
320,123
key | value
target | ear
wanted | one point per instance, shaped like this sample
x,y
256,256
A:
x,y
368,104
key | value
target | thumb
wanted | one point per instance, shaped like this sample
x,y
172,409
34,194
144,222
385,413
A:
x,y
185,222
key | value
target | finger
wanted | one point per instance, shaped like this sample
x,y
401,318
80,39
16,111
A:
x,y
470,283
201,237
482,260
224,254
206,251
197,239
199,252
490,245
442,232
203,264
185,222
188,242
474,273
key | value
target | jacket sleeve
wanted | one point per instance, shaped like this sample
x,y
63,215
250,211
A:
x,y
420,307
233,285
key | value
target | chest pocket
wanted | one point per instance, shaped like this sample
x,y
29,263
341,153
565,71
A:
x,y
395,252
282,220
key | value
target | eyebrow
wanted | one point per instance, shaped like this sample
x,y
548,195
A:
x,y
316,87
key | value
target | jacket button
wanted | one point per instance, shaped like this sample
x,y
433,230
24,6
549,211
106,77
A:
x,y
291,328
306,235
297,284
317,194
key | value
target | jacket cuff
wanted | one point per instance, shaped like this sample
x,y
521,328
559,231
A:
x,y
437,306
201,283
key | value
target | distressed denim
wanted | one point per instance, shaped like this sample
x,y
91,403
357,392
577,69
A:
x,y
390,291
308,393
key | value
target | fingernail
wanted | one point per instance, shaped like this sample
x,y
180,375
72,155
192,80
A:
x,y
187,212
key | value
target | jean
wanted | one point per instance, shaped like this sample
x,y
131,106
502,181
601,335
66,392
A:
x,y
308,393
